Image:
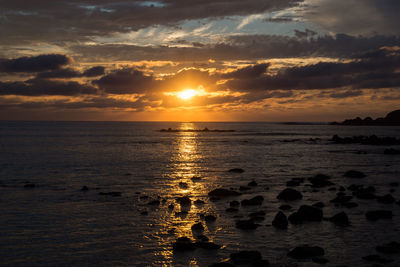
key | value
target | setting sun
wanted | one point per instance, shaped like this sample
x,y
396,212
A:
x,y
187,94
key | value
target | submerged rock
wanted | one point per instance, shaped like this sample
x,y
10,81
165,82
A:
x,y
389,248
155,202
85,188
222,264
375,215
246,225
183,244
354,174
376,258
184,201
285,207
306,252
280,221
234,203
306,213
221,192
236,170
340,219
258,200
289,194
320,180
244,188
391,151
210,218
113,194
199,202
252,183
207,245
230,210
386,199
245,257
319,205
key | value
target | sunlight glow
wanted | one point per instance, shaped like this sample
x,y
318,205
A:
x,y
187,94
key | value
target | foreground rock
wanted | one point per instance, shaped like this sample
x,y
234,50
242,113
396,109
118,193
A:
x,y
258,200
246,257
306,252
306,214
280,221
289,194
375,215
221,192
183,244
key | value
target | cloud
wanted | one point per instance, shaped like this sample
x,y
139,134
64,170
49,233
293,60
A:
x,y
34,64
71,73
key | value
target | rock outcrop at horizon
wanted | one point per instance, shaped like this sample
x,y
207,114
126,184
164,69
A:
x,y
391,119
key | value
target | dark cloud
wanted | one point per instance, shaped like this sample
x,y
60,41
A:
x,y
93,72
34,64
71,73
247,72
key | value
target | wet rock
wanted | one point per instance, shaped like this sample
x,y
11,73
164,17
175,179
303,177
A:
x,y
320,260
354,174
246,225
306,252
245,257
258,200
199,202
341,199
222,264
202,238
280,221
29,185
171,206
231,210
319,205
143,197
257,216
184,201
389,248
236,170
340,219
155,202
183,185
197,227
85,188
341,188
376,258
144,213
349,205
285,207
306,213
210,218
234,203
183,244
252,183
292,183
332,189
259,263
195,179
386,199
365,192
244,188
391,151
207,245
320,180
220,192
289,194
375,215
113,194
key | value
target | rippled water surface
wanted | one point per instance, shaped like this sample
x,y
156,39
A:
x,y
55,223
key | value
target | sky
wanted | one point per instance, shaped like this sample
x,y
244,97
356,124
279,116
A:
x,y
199,60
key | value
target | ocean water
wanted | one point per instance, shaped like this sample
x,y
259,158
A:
x,y
57,224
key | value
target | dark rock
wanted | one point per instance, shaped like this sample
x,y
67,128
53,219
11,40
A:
x,y
341,188
234,203
210,218
389,248
366,140
171,206
341,199
197,227
257,214
181,213
376,258
207,245
199,202
252,183
319,205
85,188
349,205
184,201
183,244
202,238
154,202
306,252
245,257
320,260
30,186
113,194
183,185
365,192
258,200
144,197
259,263
289,194
285,207
306,213
144,213
332,189
375,215
244,188
236,170
222,264
292,183
220,192
280,221
246,225
394,184
386,199
231,210
354,174
340,219
391,151
320,180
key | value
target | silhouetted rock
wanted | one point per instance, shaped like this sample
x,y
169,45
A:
x,y
113,194
392,118
280,221
246,225
222,264
375,215
341,199
340,219
289,194
30,186
184,201
391,151
197,227
319,205
199,202
366,140
258,200
362,192
171,206
354,174
252,183
389,248
231,210
386,199
183,185
234,203
376,258
306,252
210,218
257,216
306,213
320,260
320,180
85,188
155,202
207,245
245,257
285,207
244,188
183,244
144,213
220,192
236,170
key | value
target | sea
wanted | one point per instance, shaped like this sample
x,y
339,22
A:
x,y
47,220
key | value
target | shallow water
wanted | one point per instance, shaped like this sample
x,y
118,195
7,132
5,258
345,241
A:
x,y
57,224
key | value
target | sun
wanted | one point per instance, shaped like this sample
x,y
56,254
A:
x,y
187,94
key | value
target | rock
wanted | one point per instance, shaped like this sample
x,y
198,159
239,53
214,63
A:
x,y
292,183
391,151
394,184
280,221
320,180
245,257
320,260
306,213
171,206
236,170
289,194
354,174
183,244
181,213
184,201
340,219
252,183
260,263
365,192
144,213
386,199
30,186
349,205
376,258
257,216
183,185
220,192
234,203
258,200
202,238
199,202
244,188
246,225
319,205
197,227
207,245
230,210
85,188
306,252
285,207
389,248
210,218
222,264
154,203
113,194
341,199
375,215
341,188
